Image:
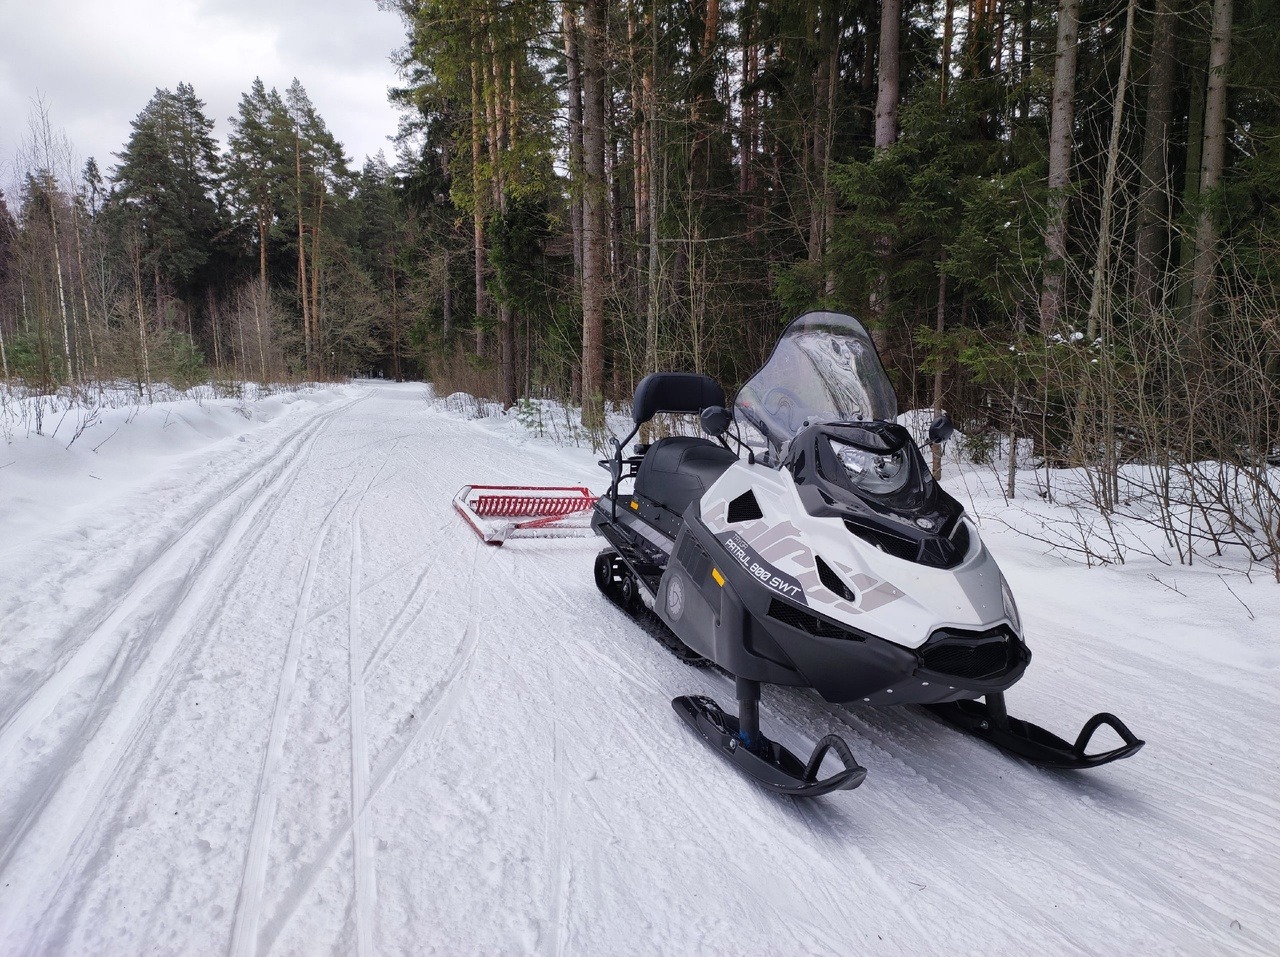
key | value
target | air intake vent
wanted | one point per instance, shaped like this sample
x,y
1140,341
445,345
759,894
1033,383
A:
x,y
972,655
799,618
946,552
903,548
692,556
745,508
833,581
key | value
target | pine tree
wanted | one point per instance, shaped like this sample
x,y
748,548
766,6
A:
x,y
169,173
257,172
319,170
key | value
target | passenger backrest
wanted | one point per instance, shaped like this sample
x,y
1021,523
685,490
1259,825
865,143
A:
x,y
675,392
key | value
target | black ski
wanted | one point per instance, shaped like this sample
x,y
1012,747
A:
x,y
989,721
767,761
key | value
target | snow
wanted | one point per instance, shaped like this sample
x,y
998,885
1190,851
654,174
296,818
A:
x,y
261,691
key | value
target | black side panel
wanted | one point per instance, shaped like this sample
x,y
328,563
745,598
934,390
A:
x,y
675,392
710,618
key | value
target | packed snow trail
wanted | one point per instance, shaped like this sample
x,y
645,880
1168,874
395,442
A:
x,y
284,701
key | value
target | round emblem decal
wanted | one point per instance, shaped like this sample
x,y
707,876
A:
x,y
675,597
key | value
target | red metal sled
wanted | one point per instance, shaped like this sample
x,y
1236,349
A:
x,y
500,512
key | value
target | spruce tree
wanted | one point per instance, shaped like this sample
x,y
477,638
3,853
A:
x,y
169,173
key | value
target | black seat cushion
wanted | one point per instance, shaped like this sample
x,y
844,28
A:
x,y
677,471
675,392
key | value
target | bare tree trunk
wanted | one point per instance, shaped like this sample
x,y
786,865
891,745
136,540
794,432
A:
x,y
507,318
395,327
260,303
1061,136
448,301
477,199
594,220
84,291
262,249
315,276
940,320
940,324
640,177
654,190
1190,190
62,299
136,259
215,328
569,28
1100,314
889,74
1211,159
1152,203
823,99
887,96
1024,96
1102,258
948,27
309,346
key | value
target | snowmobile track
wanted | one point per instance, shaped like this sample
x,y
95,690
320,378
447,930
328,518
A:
x,y
432,714
116,722
137,590
249,900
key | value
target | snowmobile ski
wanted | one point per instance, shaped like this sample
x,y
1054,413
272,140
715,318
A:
x,y
767,761
990,722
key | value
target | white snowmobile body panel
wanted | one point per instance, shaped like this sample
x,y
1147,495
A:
x,y
899,600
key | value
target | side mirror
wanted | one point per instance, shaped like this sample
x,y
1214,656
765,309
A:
x,y
941,430
715,420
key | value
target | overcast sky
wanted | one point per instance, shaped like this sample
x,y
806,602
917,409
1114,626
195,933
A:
x,y
98,62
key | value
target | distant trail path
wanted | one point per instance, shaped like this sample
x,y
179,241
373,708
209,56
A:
x,y
312,714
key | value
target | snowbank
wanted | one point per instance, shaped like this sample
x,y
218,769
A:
x,y
64,456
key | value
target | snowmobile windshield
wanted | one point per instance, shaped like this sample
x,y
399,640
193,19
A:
x,y
823,369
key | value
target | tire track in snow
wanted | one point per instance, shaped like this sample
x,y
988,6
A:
x,y
84,660
117,720
252,887
244,937
394,632
362,839
561,874
436,707
425,554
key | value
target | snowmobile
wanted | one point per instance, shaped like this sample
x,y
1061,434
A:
x,y
817,552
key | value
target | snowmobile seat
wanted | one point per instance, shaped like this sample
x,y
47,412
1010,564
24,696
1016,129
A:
x,y
678,470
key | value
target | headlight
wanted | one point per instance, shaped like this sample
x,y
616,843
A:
x,y
1010,606
879,473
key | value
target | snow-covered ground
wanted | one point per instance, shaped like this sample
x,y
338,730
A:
x,y
261,691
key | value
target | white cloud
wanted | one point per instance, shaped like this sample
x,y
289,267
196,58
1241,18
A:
x,y
97,64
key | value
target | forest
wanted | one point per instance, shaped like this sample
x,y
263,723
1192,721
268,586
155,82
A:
x,y
1061,221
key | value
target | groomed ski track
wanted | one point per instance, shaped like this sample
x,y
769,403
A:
x,y
283,701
